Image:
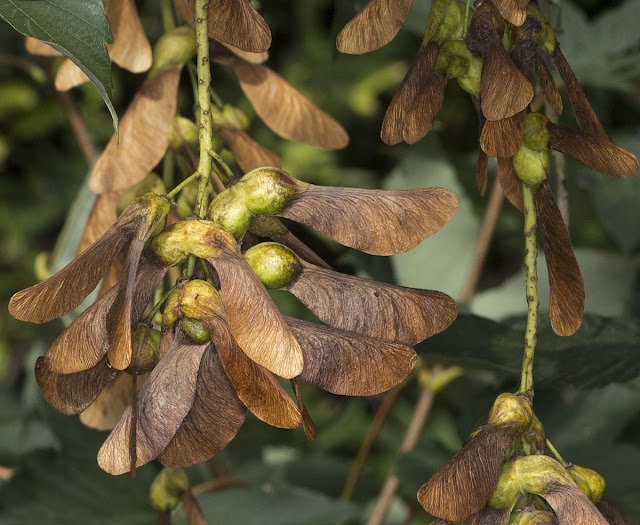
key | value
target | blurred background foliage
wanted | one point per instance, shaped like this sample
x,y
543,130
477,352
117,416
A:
x,y
587,386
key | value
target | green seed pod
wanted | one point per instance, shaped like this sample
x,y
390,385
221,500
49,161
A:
x,y
269,190
534,132
535,436
545,37
275,264
172,50
151,183
195,330
507,489
171,310
166,488
445,21
183,131
235,117
145,347
456,61
531,166
200,300
230,211
589,481
538,473
536,517
267,225
512,410
153,208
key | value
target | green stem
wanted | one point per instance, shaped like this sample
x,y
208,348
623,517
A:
x,y
223,165
530,258
186,181
158,305
204,101
168,18
467,9
556,454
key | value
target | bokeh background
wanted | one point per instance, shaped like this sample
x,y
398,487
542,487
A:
x,y
587,386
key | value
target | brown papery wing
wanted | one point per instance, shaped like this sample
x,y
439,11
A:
x,y
257,325
424,109
248,153
163,402
143,136
513,10
463,485
510,182
38,48
571,505
502,138
72,393
413,82
130,48
256,387
64,291
307,423
375,25
380,222
69,76
598,154
233,22
584,113
375,309
565,280
284,109
481,172
548,85
107,409
504,90
350,364
213,421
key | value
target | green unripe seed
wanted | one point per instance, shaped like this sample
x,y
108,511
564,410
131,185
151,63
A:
x,y
536,517
195,330
455,60
152,183
535,436
145,346
445,21
513,410
534,131
200,300
269,190
546,37
235,117
166,488
531,166
183,131
153,209
507,490
589,481
173,49
275,264
171,309
230,211
266,225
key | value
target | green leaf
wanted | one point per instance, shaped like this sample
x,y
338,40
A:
x,y
272,505
603,351
442,261
79,30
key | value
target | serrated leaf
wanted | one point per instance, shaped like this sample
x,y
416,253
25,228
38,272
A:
x,y
79,30
602,351
272,505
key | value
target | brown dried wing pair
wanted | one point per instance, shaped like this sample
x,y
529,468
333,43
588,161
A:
x,y
375,25
515,11
373,221
502,138
142,140
463,485
424,108
248,154
573,507
375,309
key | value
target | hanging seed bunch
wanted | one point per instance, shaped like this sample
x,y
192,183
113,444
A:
x,y
497,60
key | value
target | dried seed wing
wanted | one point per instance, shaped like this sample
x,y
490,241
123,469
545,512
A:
x,y
380,222
548,85
284,109
213,421
72,393
513,11
64,291
375,25
307,422
375,309
504,90
102,217
192,510
350,364
130,48
463,485
424,108
412,84
598,154
38,48
69,76
256,323
481,172
248,56
510,182
107,409
502,138
571,505
248,153
490,516
565,280
143,136
584,113
163,402
256,387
